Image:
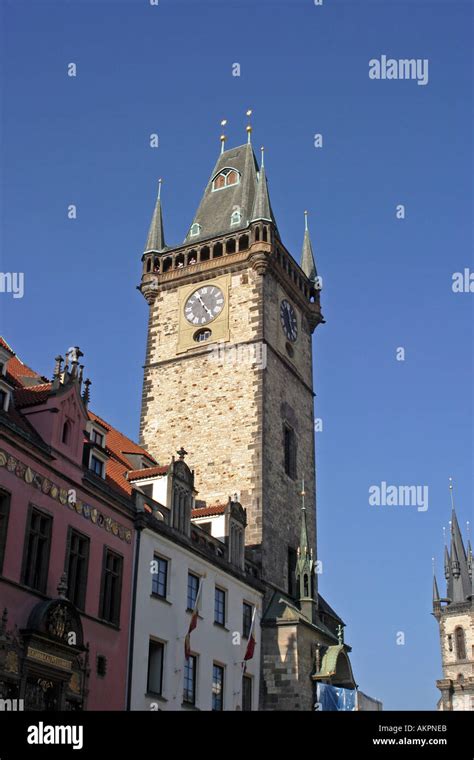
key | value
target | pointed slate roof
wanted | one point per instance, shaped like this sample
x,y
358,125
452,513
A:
x,y
216,207
156,235
460,581
435,590
307,257
262,208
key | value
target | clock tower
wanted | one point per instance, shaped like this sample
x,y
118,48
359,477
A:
x,y
228,370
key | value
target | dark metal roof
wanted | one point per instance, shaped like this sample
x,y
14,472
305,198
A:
x,y
307,258
156,235
216,206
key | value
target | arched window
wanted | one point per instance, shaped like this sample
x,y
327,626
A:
x,y
230,246
225,178
66,435
195,229
235,217
460,643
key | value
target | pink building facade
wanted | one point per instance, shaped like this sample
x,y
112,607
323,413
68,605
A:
x,y
67,540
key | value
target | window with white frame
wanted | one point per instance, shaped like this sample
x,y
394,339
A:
x,y
225,178
235,218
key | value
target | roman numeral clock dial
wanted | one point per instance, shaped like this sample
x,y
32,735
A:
x,y
204,305
288,320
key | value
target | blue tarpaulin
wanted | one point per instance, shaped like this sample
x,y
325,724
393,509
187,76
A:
x,y
329,697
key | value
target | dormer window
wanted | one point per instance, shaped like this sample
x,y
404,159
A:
x,y
97,466
225,178
195,229
235,218
97,437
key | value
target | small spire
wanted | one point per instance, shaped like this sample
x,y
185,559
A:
x,y
57,366
156,237
249,126
447,563
86,394
262,209
307,257
223,137
435,590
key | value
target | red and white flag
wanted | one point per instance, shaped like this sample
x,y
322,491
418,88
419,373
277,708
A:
x,y
251,642
193,622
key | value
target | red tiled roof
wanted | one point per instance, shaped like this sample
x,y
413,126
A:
x,y
216,509
16,370
148,472
29,396
117,444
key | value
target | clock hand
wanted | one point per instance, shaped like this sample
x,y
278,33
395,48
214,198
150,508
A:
x,y
204,305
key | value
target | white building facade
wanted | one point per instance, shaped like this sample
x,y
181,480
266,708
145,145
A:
x,y
179,561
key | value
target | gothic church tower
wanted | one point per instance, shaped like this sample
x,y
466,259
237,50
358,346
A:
x,y
455,616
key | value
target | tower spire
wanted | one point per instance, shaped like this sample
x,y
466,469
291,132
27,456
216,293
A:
x,y
307,258
460,581
156,236
305,566
262,209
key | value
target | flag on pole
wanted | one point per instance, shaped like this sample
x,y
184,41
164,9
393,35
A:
x,y
251,642
193,622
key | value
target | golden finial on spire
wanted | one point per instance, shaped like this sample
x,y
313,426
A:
x,y
159,187
249,126
223,137
303,494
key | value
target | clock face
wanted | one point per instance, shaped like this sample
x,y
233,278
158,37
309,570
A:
x,y
288,320
204,305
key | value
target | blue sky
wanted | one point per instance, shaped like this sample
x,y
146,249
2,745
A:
x,y
387,282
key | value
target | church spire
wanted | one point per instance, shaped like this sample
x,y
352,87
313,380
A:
x,y
262,210
156,236
459,581
307,258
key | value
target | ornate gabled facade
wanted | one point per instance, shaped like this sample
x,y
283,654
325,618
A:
x,y
455,616
67,516
228,371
